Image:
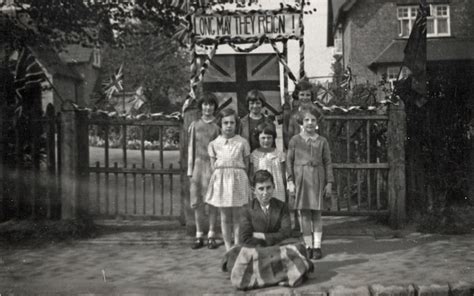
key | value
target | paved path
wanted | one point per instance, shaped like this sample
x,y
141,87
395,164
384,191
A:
x,y
161,263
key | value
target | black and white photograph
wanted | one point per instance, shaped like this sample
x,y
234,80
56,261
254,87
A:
x,y
237,147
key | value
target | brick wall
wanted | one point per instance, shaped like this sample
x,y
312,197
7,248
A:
x,y
462,23
372,24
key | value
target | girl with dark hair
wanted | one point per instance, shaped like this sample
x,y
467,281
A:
x,y
201,132
310,177
255,103
267,157
302,99
229,187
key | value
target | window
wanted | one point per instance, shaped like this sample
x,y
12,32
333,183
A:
x,y
96,57
338,42
392,74
437,24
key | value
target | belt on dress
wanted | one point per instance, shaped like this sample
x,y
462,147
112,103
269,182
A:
x,y
229,167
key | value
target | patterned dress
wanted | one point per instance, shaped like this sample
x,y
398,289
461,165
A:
x,y
201,133
229,185
272,162
309,166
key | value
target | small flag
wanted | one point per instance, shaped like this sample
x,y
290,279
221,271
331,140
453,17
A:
x,y
415,51
115,83
346,78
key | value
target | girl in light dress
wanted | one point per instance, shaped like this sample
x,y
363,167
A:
x,y
229,187
267,157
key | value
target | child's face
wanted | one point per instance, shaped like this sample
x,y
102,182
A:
x,y
208,109
304,96
228,126
264,192
265,140
255,107
309,123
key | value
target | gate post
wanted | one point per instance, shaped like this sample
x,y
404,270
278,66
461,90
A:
x,y
396,137
82,128
74,156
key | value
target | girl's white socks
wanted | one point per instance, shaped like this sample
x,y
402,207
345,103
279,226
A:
x,y
317,236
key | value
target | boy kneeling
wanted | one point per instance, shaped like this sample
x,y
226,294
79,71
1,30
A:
x,y
268,255
265,221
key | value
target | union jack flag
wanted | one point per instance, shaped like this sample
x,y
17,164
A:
x,y
28,74
231,77
115,83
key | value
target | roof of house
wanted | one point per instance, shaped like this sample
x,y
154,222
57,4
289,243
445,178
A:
x,y
49,59
439,49
336,10
76,53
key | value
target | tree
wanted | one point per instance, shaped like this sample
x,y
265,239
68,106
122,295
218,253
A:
x,y
157,63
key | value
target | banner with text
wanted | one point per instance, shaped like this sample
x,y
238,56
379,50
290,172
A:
x,y
246,25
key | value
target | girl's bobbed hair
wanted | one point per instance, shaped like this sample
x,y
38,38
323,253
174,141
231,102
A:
x,y
229,112
255,95
312,110
208,98
303,85
267,128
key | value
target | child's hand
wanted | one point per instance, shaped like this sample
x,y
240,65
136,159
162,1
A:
x,y
291,187
328,190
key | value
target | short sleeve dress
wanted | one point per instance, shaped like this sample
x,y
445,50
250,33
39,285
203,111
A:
x,y
201,133
272,162
229,185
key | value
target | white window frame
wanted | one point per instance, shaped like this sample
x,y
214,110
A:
x,y
411,16
338,42
96,58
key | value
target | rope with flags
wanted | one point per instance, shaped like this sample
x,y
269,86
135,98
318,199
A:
x,y
283,62
301,42
115,83
196,78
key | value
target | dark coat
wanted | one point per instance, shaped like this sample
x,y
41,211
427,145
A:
x,y
248,134
276,225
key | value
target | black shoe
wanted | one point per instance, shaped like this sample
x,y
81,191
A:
x,y
309,253
198,243
211,243
317,254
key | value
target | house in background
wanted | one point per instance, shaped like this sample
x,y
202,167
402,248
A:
x,y
67,82
371,35
86,61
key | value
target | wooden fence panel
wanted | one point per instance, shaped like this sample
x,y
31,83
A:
x,y
149,190
359,178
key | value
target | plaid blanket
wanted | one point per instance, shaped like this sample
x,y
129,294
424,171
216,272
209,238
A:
x,y
260,267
